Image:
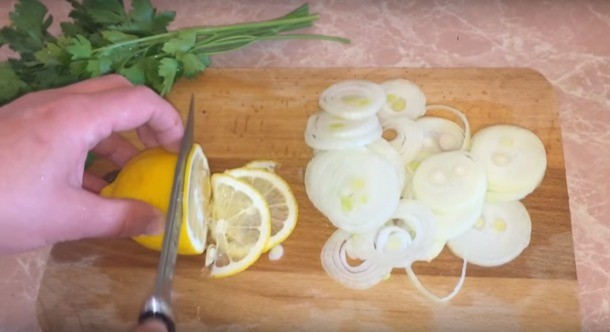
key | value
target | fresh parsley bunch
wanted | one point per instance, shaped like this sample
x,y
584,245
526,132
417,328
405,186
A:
x,y
103,37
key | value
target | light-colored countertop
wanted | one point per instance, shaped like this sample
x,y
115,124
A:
x,y
567,41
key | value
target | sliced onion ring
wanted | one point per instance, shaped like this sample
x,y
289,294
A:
x,y
328,132
456,223
412,225
460,115
403,98
441,134
513,157
500,236
449,181
357,190
353,99
324,124
420,287
334,261
385,150
409,136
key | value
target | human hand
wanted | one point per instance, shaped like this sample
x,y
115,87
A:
x,y
45,195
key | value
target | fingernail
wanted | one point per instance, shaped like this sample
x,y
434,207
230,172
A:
x,y
156,225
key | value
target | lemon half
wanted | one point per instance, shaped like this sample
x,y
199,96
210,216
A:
x,y
148,177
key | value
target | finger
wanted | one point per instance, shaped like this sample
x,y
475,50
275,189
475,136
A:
x,y
102,83
93,183
130,108
147,136
91,215
116,149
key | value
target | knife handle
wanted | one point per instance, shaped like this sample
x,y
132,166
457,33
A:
x,y
148,316
157,308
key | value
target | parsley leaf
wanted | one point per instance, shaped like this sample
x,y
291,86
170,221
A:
x,y
167,69
105,12
82,22
151,72
141,10
52,54
72,29
79,47
180,44
144,20
98,67
10,84
28,31
78,69
193,64
161,21
29,17
136,73
49,76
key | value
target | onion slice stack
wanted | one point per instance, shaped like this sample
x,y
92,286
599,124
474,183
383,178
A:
x,y
398,200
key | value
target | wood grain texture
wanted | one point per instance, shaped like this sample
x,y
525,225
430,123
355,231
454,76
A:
x,y
246,114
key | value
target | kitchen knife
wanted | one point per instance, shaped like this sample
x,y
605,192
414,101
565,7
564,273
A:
x,y
158,304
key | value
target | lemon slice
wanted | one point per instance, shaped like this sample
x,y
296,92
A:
x,y
282,204
240,225
196,203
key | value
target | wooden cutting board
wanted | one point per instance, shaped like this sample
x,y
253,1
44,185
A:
x,y
246,114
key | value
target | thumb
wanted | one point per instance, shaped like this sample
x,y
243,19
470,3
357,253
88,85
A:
x,y
114,217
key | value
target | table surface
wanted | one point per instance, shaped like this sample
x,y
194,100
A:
x,y
565,41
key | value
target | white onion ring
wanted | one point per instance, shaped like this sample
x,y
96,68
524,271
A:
x,y
334,262
352,99
449,181
501,235
461,116
420,287
357,190
513,157
327,132
412,217
404,94
409,137
385,150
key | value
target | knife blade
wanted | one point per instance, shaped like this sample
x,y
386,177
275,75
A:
x,y
158,304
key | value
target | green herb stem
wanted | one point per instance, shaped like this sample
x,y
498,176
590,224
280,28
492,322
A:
x,y
234,42
210,30
287,36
